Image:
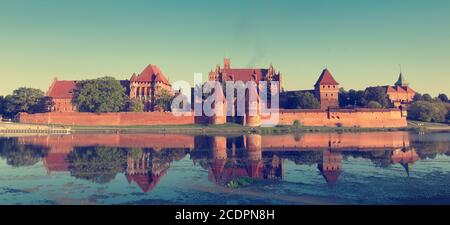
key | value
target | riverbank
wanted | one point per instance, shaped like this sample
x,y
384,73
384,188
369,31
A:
x,y
228,128
21,128
196,129
426,126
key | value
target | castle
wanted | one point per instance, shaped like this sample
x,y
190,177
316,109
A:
x,y
151,82
145,87
400,94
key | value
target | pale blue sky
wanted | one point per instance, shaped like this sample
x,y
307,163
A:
x,y
361,42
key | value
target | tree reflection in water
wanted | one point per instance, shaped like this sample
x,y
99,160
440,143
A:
x,y
19,155
97,164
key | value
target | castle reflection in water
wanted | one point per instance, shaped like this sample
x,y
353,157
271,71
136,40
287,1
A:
x,y
146,158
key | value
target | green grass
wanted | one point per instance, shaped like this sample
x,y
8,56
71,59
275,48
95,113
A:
x,y
427,126
224,129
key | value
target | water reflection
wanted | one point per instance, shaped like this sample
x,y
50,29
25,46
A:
x,y
145,159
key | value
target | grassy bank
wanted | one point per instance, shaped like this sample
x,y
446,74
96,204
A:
x,y
426,126
228,128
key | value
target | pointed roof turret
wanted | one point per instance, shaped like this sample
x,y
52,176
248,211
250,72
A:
x,y
133,77
401,81
326,78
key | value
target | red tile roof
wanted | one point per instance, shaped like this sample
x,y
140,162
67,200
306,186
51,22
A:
x,y
62,89
398,89
244,74
326,78
149,74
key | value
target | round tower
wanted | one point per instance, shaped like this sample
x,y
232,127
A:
x,y
220,106
253,110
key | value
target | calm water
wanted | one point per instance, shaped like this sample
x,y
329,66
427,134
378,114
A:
x,y
313,168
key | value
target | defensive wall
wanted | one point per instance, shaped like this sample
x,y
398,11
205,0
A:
x,y
365,118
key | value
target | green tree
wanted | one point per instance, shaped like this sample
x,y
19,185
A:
x,y
356,98
344,98
29,100
164,100
43,105
447,105
377,94
418,97
374,105
427,97
428,111
1,106
302,100
135,105
100,95
443,97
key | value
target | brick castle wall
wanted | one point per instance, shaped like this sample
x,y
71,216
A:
x,y
106,119
366,118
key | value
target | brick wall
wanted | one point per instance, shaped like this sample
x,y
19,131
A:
x,y
374,118
106,119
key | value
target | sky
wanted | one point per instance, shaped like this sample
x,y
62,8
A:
x,y
363,43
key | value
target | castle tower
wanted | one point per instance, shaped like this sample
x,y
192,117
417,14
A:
x,y
327,90
227,63
252,109
149,85
401,81
220,106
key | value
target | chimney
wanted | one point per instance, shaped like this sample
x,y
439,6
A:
x,y
226,63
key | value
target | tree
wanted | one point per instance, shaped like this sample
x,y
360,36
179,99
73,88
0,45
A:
x,y
417,97
344,99
135,105
356,98
29,100
374,105
427,97
443,97
377,94
43,105
428,111
100,95
1,106
447,105
164,100
302,100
